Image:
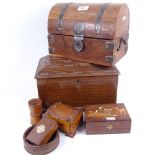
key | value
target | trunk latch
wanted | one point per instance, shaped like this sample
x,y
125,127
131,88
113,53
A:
x,y
78,37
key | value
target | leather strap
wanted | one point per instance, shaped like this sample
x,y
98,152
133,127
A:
x,y
99,18
40,149
61,15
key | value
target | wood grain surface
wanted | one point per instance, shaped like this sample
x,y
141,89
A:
x,y
68,117
75,83
107,119
92,33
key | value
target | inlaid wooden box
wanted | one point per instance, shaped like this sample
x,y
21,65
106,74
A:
x,y
75,83
89,32
68,117
107,119
42,131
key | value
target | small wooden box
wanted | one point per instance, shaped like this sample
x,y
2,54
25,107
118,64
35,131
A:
x,y
107,119
75,83
42,131
67,117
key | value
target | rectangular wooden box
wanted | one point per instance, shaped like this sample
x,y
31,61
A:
x,y
107,119
67,117
42,131
92,33
75,83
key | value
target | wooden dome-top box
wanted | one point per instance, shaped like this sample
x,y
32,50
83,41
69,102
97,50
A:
x,y
75,83
68,117
89,32
107,119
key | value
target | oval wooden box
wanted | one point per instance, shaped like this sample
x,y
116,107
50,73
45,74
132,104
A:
x,y
41,149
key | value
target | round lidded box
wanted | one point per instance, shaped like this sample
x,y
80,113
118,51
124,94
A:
x,y
35,106
41,149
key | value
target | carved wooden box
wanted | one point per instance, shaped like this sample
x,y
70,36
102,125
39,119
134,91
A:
x,y
92,33
67,117
107,119
75,83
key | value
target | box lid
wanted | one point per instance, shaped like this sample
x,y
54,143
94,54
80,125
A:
x,y
63,112
106,112
94,20
51,67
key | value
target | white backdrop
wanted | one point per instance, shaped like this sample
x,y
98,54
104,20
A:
x,y
23,40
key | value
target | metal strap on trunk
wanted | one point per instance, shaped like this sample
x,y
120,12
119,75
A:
x,y
61,15
99,18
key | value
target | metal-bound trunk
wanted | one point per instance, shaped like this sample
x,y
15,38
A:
x,y
92,33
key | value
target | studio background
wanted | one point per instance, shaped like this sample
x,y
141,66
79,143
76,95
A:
x,y
23,41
